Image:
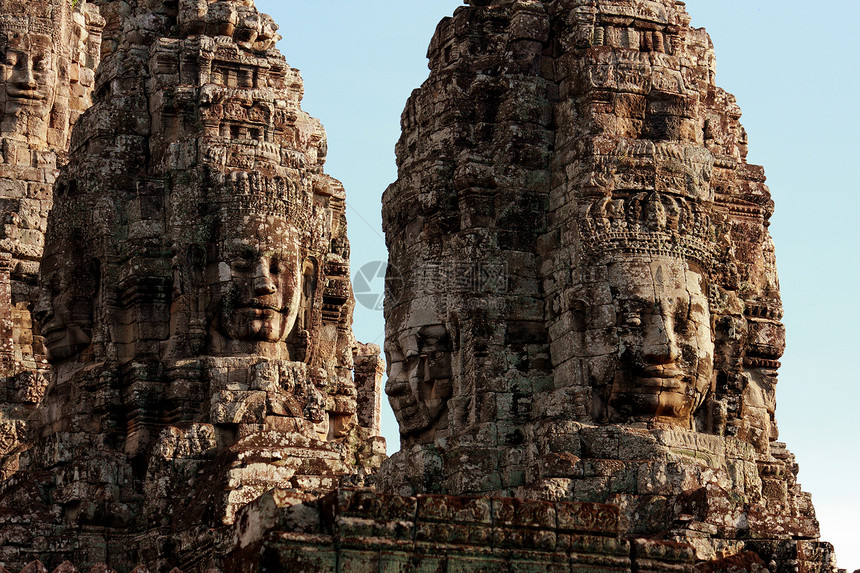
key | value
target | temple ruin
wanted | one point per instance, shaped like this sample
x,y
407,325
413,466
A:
x,y
583,326
50,52
195,304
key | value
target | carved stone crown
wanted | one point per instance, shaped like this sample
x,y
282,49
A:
x,y
649,223
257,194
27,17
24,25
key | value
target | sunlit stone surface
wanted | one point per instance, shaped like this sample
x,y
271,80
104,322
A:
x,y
583,323
195,306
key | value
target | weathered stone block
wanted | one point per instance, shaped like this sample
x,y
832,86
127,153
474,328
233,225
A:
x,y
454,509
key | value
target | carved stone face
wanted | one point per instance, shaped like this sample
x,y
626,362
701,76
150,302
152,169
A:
x,y
420,380
65,308
29,73
666,350
259,278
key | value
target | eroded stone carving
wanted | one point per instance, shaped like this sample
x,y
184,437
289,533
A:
x,y
665,364
583,314
626,348
258,283
30,75
196,306
643,323
48,54
65,309
420,378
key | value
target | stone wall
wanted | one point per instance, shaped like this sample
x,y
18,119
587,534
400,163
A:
x,y
582,331
50,51
363,530
466,342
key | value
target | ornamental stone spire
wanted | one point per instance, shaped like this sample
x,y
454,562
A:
x,y
196,303
587,306
48,54
583,326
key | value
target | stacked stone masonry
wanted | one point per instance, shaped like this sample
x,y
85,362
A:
x,y
617,335
362,530
582,327
50,52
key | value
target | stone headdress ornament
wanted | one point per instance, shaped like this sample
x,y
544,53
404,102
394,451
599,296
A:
x,y
255,193
28,17
649,223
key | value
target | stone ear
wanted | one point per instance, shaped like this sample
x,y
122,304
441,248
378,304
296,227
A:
x,y
579,320
309,285
196,260
454,332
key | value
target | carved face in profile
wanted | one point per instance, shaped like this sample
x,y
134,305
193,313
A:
x,y
665,346
259,280
420,378
65,309
29,72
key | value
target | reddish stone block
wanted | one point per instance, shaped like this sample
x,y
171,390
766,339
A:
x,y
589,518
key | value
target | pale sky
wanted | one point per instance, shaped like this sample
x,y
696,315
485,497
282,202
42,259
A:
x,y
794,69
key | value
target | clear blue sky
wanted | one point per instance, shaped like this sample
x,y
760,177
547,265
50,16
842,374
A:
x,y
795,69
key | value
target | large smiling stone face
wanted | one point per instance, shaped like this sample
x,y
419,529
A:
x,y
420,381
65,309
28,69
665,346
258,281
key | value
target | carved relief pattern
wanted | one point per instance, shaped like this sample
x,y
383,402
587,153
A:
x,y
583,320
48,55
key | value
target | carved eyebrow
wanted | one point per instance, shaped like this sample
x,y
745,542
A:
x,y
279,253
242,249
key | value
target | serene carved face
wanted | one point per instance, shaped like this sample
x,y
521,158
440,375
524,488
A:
x,y
666,351
419,382
260,280
65,309
29,72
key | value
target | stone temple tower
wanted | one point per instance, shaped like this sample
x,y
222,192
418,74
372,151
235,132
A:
x,y
49,53
582,328
586,305
196,304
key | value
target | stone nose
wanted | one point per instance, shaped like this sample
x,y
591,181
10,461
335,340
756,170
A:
x,y
398,380
264,284
660,346
24,76
417,370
